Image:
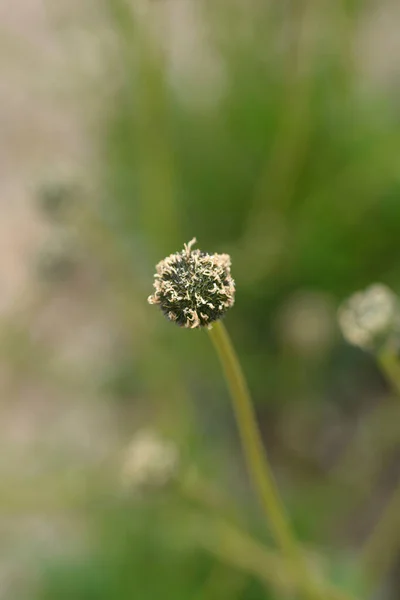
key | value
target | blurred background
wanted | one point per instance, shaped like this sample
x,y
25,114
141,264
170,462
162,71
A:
x,y
269,130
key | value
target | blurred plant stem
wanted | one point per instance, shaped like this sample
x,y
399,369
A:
x,y
146,96
280,172
389,364
257,462
224,537
381,548
237,548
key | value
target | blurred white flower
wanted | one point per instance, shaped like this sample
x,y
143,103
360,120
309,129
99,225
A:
x,y
150,461
369,316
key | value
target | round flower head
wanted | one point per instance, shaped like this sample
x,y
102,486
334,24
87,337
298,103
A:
x,y
368,317
194,288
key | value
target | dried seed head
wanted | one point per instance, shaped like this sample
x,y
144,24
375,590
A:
x,y
194,288
367,318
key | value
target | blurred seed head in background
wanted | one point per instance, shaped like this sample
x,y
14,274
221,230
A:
x,y
369,317
150,461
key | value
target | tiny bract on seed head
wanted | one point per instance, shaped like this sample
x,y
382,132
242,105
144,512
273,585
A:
x,y
194,288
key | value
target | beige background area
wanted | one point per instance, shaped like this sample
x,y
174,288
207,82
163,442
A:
x,y
48,65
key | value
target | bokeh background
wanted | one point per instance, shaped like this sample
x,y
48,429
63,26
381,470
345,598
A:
x,y
269,130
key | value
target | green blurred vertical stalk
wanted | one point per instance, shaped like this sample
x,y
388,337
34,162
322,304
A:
x,y
389,365
381,548
146,90
276,185
257,462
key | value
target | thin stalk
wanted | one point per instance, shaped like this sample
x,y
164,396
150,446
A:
x,y
257,462
383,543
390,367
238,549
228,541
381,549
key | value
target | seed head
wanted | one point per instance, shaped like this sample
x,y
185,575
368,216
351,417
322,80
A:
x,y
194,288
150,461
368,317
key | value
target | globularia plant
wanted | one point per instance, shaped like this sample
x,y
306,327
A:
x,y
195,289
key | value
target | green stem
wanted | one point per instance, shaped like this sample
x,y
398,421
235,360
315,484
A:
x,y
389,364
237,548
257,462
382,546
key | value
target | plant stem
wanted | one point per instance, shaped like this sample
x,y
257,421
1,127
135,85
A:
x,y
237,548
389,364
257,462
240,550
380,549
